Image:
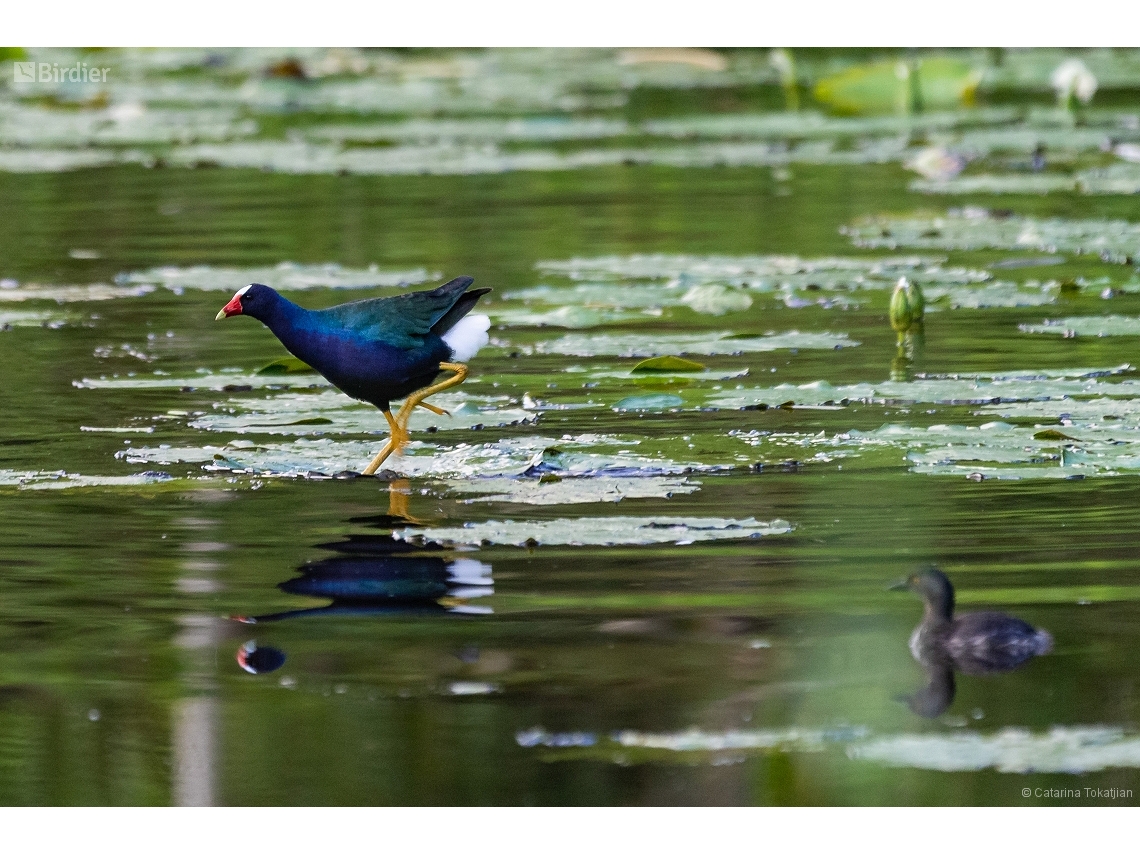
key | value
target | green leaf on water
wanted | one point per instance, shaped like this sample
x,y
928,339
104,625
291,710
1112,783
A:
x,y
597,531
674,364
973,228
1092,325
886,87
660,401
1054,435
286,365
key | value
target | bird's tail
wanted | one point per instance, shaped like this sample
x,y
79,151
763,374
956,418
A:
x,y
1043,642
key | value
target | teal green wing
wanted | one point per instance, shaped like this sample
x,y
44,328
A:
x,y
402,321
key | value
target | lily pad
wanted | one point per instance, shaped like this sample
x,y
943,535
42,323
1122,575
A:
x,y
671,364
955,389
573,490
720,284
978,228
1063,750
584,456
52,320
658,403
639,345
596,531
714,299
300,414
61,480
19,292
567,317
286,276
205,380
1091,325
287,365
33,125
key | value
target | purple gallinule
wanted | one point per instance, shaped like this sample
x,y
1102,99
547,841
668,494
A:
x,y
380,349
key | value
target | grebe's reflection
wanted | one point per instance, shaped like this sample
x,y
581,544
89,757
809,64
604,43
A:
x,y
973,643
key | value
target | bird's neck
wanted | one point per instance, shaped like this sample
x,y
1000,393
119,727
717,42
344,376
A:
x,y
937,608
285,319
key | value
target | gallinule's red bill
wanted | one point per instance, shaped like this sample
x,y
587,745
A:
x,y
380,349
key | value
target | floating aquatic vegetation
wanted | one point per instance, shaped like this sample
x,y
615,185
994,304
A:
x,y
1116,179
809,123
695,739
350,80
1084,411
1058,139
1032,70
1000,450
331,412
12,291
1089,325
54,159
1064,750
714,299
584,456
572,490
10,319
936,163
67,480
667,365
286,365
687,270
721,284
978,228
1023,183
286,276
596,531
996,295
1019,751
219,381
936,389
566,317
643,345
655,402
553,128
450,158
122,124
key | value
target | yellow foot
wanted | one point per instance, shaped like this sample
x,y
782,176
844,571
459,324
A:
x,y
399,423
439,411
396,441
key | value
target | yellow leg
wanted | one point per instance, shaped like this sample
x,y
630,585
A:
x,y
439,411
395,442
417,398
399,423
398,499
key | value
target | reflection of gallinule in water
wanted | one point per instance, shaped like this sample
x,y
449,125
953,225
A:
x,y
388,584
380,349
973,643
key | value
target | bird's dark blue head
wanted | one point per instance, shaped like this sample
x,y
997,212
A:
x,y
254,300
